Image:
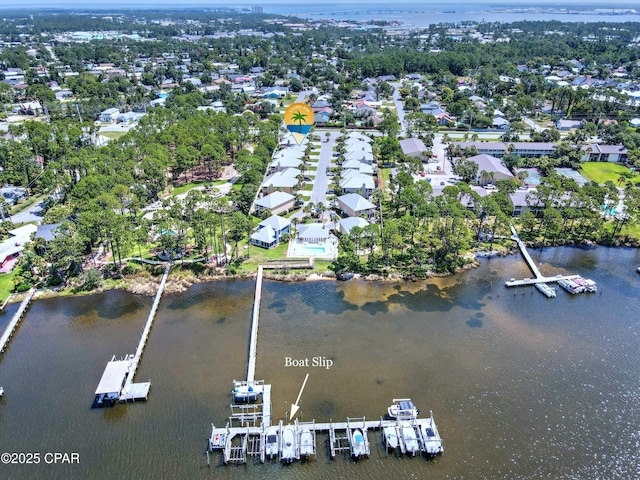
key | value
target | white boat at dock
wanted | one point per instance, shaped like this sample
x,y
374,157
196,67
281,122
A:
x,y
391,439
288,448
571,286
271,442
402,408
432,443
410,439
359,447
586,284
307,443
247,392
547,290
1,392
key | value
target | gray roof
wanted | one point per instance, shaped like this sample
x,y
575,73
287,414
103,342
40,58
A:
x,y
412,145
312,231
348,223
274,200
275,222
490,164
113,376
47,232
356,202
265,235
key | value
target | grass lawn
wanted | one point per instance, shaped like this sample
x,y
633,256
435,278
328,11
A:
x,y
631,230
6,284
25,203
601,172
112,135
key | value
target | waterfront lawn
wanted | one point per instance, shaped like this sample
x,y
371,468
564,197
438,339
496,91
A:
x,y
6,284
601,172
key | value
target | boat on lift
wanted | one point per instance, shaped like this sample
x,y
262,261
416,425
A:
x,y
402,408
431,441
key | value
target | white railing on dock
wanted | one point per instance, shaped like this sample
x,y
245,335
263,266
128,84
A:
x,y
147,328
525,253
253,342
8,332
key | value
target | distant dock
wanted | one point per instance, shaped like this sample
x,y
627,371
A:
x,y
538,277
116,383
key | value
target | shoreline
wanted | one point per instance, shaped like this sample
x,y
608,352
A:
x,y
146,282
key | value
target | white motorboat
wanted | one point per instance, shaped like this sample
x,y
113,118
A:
x,y
1,392
402,408
431,438
546,289
391,439
288,448
271,442
358,446
410,439
246,392
307,444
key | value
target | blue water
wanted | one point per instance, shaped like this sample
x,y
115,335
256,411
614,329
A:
x,y
417,14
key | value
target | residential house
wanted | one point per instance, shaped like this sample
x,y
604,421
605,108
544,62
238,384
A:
x,y
110,115
434,108
11,248
12,194
493,167
604,153
353,181
276,202
566,124
355,205
346,224
269,231
413,147
312,233
525,201
361,167
284,181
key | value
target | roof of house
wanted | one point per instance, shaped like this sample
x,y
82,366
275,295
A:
x,y
355,202
274,200
312,230
285,178
275,222
412,145
265,235
490,163
47,232
348,223
358,165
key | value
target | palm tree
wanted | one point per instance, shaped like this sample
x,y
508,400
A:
x,y
299,117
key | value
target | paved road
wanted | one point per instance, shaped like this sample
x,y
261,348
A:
x,y
321,182
31,214
532,124
399,107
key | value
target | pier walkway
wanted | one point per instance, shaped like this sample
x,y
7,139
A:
x,y
539,278
8,332
525,253
253,342
133,391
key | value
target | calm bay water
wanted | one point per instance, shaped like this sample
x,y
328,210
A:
x,y
521,386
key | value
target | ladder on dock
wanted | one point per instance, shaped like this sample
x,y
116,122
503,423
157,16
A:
x,y
338,439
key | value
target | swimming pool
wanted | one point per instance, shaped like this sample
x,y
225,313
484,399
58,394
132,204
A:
x,y
328,250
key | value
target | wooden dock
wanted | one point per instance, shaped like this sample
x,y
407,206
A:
x,y
8,332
